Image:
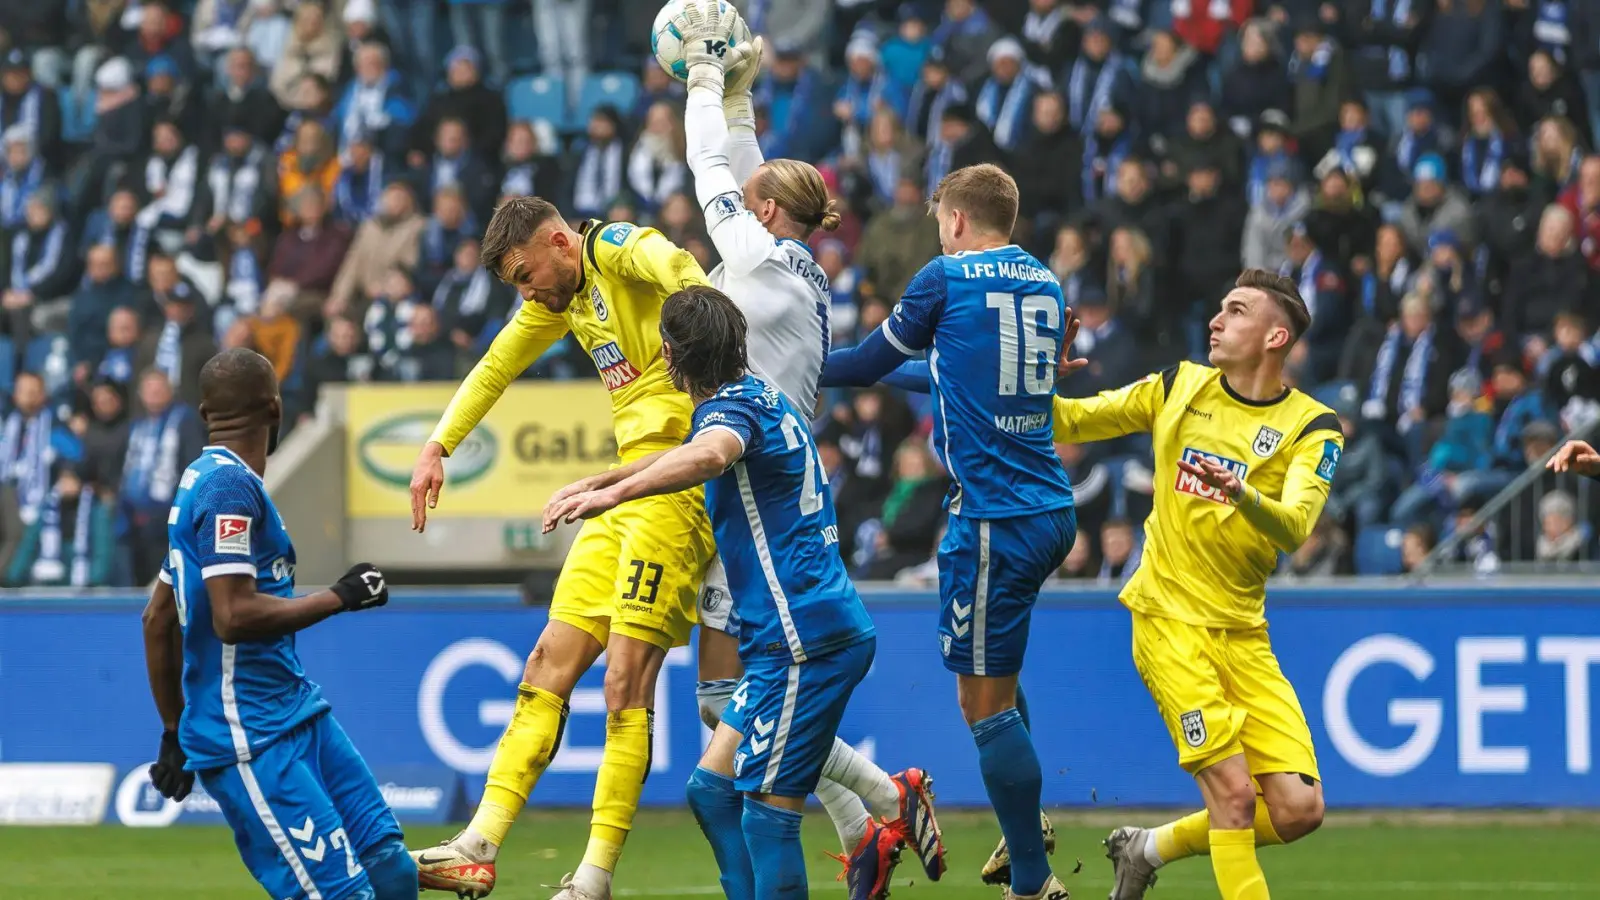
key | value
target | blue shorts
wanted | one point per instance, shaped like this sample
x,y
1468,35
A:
x,y
303,812
990,572
789,716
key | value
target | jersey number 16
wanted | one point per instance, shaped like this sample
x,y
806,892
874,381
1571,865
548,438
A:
x,y
1026,357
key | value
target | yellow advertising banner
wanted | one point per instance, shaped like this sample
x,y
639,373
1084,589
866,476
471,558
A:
x,y
538,438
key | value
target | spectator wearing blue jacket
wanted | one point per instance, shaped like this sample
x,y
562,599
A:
x,y
906,50
374,103
89,314
866,87
795,97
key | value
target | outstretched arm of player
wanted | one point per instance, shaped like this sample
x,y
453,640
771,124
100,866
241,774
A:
x,y
743,67
1286,522
1112,414
607,478
705,457
740,239
907,332
529,334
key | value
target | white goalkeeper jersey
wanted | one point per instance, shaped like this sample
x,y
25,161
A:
x,y
776,283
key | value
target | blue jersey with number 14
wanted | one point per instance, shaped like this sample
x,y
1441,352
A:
x,y
992,322
777,533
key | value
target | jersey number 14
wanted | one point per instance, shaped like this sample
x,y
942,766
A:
x,y
1027,357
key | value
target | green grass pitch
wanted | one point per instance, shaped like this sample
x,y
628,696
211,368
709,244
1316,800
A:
x,y
1353,857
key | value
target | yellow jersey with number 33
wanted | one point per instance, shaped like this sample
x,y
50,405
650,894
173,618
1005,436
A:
x,y
628,272
1206,559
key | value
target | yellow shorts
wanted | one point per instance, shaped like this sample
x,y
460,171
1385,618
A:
x,y
1221,693
636,571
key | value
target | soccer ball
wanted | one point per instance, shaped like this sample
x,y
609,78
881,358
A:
x,y
666,42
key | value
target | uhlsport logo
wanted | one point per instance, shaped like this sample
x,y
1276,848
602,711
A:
x,y
1188,484
615,370
388,450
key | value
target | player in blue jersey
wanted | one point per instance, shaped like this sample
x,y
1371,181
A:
x,y
804,636
992,319
236,706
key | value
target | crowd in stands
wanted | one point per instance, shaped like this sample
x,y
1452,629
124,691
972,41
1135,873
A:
x,y
310,177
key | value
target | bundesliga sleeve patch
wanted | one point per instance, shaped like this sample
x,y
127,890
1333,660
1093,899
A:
x,y
722,208
233,535
1330,461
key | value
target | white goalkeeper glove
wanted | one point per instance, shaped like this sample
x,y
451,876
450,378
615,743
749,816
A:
x,y
703,25
742,65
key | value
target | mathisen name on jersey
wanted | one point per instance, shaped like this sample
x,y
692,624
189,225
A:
x,y
1204,562
628,272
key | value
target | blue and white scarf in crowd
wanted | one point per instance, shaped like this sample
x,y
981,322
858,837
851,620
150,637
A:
x,y
26,456
928,128
1552,31
1397,15
1313,68
1481,158
234,183
150,476
117,365
1411,147
1308,280
169,351
883,167
865,97
1399,280
244,282
28,114
937,166
474,299
1007,109
600,178
520,179
1106,185
15,188
47,567
355,194
23,275
1084,101
1412,380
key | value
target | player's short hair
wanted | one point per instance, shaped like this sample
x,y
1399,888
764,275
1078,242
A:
x,y
706,332
237,383
1285,293
513,224
984,192
798,189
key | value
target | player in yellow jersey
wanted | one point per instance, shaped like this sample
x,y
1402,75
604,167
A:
x,y
1242,469
632,578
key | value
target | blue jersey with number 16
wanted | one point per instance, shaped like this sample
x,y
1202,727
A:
x,y
992,322
777,533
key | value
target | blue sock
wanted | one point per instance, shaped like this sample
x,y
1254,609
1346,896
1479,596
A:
x,y
718,807
391,870
1011,775
773,836
1022,709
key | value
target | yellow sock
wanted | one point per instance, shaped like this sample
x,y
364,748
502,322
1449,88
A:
x,y
1190,835
623,769
1233,859
525,750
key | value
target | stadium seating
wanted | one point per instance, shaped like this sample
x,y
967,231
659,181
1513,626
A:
x,y
616,89
538,98
1378,550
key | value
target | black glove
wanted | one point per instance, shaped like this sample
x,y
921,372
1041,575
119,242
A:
x,y
168,774
363,587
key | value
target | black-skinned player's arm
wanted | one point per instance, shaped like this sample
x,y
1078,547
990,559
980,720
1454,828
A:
x,y
163,662
705,457
239,613
1287,521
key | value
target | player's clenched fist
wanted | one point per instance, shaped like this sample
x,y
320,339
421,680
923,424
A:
x,y
1576,457
427,480
363,587
168,773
